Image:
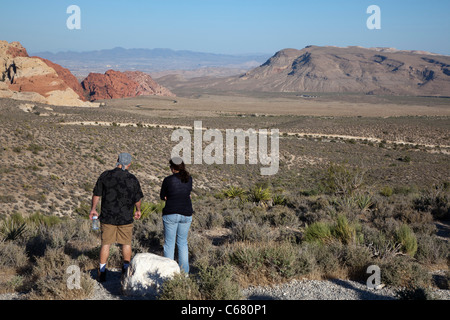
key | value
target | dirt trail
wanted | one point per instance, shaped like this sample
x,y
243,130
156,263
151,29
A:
x,y
298,134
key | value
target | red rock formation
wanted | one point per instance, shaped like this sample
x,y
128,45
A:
x,y
116,84
111,85
68,78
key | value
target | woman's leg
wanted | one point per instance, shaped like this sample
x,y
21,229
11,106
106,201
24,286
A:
x,y
170,222
182,242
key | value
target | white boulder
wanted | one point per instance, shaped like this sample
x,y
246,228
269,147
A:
x,y
146,273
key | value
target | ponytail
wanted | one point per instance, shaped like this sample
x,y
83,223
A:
x,y
178,165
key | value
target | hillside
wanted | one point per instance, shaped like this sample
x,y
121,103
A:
x,y
382,71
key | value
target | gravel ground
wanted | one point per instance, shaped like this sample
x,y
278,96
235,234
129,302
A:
x,y
329,290
294,290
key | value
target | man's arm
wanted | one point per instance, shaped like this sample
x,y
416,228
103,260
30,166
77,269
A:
x,y
137,213
95,201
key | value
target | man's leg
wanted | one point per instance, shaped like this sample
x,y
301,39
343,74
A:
x,y
124,237
104,253
126,252
108,234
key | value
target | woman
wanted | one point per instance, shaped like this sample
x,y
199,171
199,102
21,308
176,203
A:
x,y
177,214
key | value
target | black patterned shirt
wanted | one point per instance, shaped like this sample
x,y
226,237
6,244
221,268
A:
x,y
120,190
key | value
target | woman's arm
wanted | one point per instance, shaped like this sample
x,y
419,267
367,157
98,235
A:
x,y
163,193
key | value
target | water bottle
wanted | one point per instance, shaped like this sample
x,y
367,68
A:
x,y
95,223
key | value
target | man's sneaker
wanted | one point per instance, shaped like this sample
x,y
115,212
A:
x,y
125,269
101,276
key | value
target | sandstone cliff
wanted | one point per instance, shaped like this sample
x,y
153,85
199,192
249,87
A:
x,y
35,79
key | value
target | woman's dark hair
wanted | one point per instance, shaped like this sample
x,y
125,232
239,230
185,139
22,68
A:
x,y
184,174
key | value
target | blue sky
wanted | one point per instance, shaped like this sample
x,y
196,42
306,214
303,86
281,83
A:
x,y
226,26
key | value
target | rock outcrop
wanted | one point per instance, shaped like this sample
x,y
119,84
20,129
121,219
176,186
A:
x,y
35,79
146,273
146,85
115,84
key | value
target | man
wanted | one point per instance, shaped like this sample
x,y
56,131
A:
x,y
120,192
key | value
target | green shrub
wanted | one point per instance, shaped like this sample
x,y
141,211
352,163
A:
x,y
343,179
407,238
356,259
50,278
281,260
216,283
84,209
343,231
35,148
249,230
12,255
306,260
406,159
436,201
39,219
386,191
431,250
282,216
318,232
402,271
267,263
414,293
180,287
328,260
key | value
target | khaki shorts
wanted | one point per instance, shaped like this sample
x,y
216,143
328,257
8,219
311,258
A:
x,y
116,234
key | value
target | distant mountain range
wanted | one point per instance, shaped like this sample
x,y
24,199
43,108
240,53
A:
x,y
311,69
383,71
151,61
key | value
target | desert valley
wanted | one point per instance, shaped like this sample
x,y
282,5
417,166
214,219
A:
x,y
363,173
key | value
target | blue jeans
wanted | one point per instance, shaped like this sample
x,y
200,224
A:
x,y
176,229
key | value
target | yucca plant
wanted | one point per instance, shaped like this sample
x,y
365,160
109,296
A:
x,y
364,202
279,199
12,230
147,208
260,195
346,203
234,192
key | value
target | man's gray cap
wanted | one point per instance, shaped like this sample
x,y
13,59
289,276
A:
x,y
124,160
177,160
